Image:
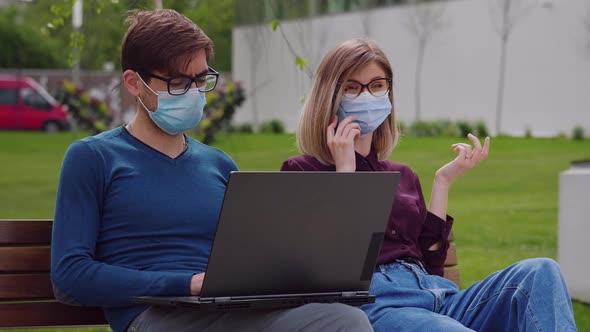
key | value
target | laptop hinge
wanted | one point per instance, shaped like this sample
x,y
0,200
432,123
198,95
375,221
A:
x,y
351,294
222,299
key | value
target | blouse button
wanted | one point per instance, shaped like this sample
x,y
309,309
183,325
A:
x,y
393,232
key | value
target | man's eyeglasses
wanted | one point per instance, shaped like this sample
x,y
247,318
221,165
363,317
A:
x,y
351,89
178,86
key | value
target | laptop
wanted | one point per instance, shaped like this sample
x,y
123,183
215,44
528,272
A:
x,y
285,239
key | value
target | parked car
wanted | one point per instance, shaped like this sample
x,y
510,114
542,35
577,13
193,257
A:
x,y
24,104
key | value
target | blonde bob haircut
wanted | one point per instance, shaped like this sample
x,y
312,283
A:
x,y
323,101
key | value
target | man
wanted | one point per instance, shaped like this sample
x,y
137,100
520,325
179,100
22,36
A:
x,y
137,206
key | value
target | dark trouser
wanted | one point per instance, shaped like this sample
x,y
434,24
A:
x,y
309,318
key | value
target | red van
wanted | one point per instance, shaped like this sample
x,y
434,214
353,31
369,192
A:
x,y
24,104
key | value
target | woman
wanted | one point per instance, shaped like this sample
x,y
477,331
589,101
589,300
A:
x,y
347,125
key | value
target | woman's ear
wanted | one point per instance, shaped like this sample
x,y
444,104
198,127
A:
x,y
132,82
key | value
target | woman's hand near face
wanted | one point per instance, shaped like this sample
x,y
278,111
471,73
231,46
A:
x,y
466,160
341,143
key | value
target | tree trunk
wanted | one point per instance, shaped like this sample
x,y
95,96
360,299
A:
x,y
504,35
418,79
501,83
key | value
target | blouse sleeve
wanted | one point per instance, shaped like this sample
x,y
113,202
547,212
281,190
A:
x,y
434,230
291,165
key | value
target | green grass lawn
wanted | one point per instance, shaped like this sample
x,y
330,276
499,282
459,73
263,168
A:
x,y
505,210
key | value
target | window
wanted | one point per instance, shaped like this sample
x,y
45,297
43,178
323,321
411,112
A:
x,y
8,97
34,99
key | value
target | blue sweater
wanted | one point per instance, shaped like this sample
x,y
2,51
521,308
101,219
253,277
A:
x,y
130,221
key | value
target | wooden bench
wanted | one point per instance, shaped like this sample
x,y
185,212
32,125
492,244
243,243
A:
x,y
451,269
26,295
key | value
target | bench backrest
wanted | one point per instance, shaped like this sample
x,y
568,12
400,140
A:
x,y
451,269
26,295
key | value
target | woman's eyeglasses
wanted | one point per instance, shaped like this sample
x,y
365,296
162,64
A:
x,y
351,89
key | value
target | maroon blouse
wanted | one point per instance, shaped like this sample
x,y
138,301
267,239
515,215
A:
x,y
411,229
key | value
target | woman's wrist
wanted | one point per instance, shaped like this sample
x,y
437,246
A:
x,y
442,180
344,169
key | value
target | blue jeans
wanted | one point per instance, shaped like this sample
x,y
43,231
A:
x,y
530,295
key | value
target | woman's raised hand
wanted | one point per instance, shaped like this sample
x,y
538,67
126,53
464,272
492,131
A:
x,y
468,158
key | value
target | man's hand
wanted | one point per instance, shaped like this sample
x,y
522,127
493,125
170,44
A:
x,y
197,283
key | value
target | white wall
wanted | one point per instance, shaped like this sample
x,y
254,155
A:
x,y
574,227
548,69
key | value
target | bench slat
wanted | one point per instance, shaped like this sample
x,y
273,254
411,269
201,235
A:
x,y
24,280
39,314
25,286
452,273
21,259
451,256
25,232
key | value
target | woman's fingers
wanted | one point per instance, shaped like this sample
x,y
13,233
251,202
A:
x,y
344,133
332,126
330,130
348,128
354,132
475,141
486,147
462,151
470,156
480,152
467,148
343,124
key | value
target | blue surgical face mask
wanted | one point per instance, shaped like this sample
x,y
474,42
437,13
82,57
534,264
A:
x,y
370,111
176,114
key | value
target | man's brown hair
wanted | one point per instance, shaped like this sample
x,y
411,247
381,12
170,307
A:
x,y
162,40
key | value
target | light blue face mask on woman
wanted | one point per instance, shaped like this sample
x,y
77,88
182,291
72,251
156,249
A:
x,y
176,114
370,111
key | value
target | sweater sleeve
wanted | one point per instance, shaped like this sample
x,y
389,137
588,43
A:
x,y
78,278
434,230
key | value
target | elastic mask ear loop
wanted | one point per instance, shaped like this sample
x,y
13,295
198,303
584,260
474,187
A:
x,y
147,86
142,104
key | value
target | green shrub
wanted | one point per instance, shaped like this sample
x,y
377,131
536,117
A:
x,y
245,128
445,128
421,129
222,104
273,126
578,133
402,127
481,130
87,112
464,128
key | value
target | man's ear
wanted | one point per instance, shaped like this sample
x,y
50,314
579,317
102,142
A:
x,y
132,82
